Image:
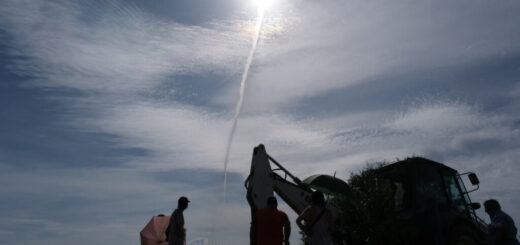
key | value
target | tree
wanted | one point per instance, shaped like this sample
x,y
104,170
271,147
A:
x,y
369,216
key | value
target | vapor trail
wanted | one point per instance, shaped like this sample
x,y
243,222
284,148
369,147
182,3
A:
x,y
238,107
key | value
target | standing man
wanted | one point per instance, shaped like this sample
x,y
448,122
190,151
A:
x,y
176,233
272,225
502,230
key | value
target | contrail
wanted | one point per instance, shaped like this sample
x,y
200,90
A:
x,y
238,107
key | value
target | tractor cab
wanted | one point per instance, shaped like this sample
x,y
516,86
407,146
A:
x,y
436,198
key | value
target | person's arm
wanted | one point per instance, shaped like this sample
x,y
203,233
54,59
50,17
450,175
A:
x,y
299,221
495,231
253,231
494,236
179,225
330,221
286,230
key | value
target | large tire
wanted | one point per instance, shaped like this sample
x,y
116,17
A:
x,y
463,235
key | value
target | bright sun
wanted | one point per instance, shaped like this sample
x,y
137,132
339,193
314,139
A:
x,y
263,4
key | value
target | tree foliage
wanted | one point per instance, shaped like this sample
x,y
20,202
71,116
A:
x,y
369,217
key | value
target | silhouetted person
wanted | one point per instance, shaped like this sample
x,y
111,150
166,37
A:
x,y
176,233
272,226
502,230
319,224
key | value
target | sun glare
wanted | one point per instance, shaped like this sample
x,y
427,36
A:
x,y
264,4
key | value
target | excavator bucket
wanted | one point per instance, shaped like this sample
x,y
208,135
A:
x,y
329,185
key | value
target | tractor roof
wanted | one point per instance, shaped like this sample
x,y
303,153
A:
x,y
412,163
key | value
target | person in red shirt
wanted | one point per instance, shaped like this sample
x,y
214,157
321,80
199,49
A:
x,y
272,225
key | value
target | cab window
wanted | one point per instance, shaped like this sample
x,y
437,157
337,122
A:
x,y
457,201
429,186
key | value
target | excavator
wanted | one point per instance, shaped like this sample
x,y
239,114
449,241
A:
x,y
432,195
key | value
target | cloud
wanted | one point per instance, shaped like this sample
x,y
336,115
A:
x,y
123,50
342,43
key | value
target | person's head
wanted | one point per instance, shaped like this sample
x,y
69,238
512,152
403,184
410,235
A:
x,y
491,206
317,199
272,202
183,203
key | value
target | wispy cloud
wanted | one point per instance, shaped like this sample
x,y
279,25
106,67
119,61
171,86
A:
x,y
341,43
123,50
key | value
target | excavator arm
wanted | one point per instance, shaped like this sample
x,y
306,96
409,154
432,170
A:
x,y
263,181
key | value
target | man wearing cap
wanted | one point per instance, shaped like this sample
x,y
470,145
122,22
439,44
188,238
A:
x,y
271,226
176,233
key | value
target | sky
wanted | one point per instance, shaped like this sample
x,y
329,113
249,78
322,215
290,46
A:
x,y
111,110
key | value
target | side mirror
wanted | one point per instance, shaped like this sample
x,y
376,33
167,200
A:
x,y
475,205
473,179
